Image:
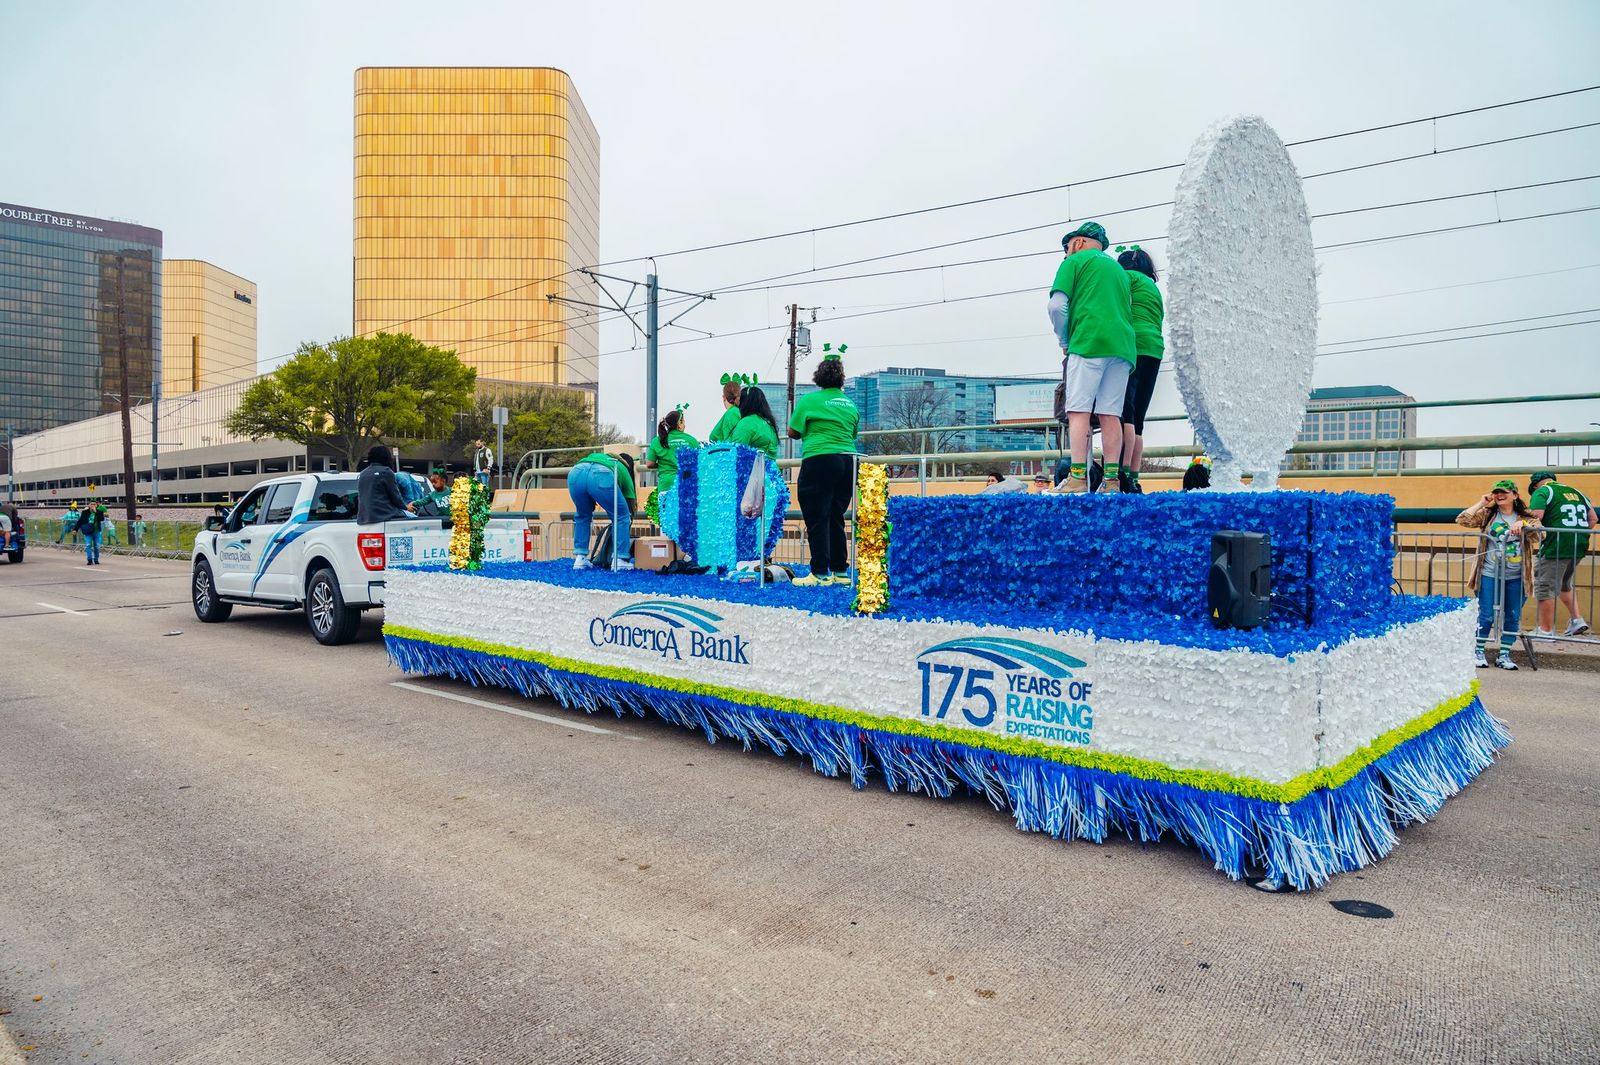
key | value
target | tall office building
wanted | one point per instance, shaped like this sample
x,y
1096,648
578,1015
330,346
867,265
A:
x,y
902,396
67,282
1328,418
477,194
208,327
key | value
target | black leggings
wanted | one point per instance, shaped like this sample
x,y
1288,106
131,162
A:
x,y
1141,386
824,492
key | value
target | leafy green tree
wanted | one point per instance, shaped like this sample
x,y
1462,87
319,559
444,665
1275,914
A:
x,y
540,419
354,392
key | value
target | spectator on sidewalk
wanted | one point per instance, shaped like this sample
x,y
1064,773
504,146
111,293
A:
x,y
482,461
999,484
109,534
1567,517
1504,569
136,532
1091,313
69,523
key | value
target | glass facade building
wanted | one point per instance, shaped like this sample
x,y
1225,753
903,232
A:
x,y
63,280
1327,419
208,328
477,195
905,396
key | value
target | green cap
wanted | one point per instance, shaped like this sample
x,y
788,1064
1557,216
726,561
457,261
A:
x,y
1506,485
1542,475
1092,230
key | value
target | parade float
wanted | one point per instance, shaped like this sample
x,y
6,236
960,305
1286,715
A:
x,y
1059,655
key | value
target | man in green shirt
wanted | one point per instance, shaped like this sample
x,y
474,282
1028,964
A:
x,y
1567,518
1091,312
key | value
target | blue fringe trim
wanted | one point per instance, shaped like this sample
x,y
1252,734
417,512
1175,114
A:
x,y
1304,843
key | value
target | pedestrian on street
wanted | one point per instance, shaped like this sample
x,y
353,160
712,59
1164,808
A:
x,y
1091,313
482,461
1504,568
90,521
1567,517
69,523
136,532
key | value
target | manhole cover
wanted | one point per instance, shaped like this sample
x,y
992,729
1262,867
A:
x,y
1358,908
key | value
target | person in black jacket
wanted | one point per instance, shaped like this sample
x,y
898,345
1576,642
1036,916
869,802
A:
x,y
378,496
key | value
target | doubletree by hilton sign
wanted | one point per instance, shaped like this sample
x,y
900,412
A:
x,y
10,212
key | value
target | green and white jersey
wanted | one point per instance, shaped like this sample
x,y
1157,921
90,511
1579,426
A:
x,y
1565,509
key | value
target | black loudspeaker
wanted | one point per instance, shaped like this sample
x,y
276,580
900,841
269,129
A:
x,y
1239,587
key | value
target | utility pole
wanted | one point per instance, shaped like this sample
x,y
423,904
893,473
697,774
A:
x,y
128,482
794,326
652,293
11,465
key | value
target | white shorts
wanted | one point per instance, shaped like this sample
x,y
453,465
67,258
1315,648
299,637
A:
x,y
1095,384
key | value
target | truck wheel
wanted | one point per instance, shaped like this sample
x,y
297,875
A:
x,y
203,591
331,621
15,556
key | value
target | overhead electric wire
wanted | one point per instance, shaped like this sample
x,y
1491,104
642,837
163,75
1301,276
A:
x,y
1126,174
1463,284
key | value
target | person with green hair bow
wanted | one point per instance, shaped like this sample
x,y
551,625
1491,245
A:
x,y
732,387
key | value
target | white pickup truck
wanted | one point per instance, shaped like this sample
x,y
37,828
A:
x,y
293,543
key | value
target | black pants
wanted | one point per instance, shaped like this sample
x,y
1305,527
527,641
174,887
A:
x,y
824,492
1141,386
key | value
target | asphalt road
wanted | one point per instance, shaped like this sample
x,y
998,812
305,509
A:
x,y
228,844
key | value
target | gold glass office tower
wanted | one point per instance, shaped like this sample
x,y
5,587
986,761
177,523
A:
x,y
477,193
208,327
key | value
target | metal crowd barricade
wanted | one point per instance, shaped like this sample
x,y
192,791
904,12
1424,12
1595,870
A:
x,y
1569,561
1441,562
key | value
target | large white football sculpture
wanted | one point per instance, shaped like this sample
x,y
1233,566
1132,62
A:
x,y
1242,284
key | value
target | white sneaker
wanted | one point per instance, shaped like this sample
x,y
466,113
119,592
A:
x,y
620,566
1504,661
1479,659
582,562
1577,628
1544,634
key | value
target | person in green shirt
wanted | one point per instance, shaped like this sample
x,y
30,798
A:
x,y
437,501
1091,311
732,386
1148,312
757,427
1566,515
662,455
604,481
825,424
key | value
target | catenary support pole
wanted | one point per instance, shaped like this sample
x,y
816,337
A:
x,y
652,290
794,325
128,481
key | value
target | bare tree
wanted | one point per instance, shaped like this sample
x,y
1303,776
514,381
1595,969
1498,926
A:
x,y
910,410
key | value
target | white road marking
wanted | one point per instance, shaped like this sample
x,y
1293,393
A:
x,y
578,726
64,610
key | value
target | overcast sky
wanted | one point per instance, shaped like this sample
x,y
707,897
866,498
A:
x,y
229,127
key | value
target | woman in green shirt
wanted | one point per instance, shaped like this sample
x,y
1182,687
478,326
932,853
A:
x,y
825,424
723,430
604,481
1148,312
756,426
662,454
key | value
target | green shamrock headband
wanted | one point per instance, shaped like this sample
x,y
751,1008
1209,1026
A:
x,y
1126,247
829,353
680,408
746,379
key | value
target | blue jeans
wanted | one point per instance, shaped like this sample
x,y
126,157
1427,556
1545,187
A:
x,y
1509,617
591,485
91,546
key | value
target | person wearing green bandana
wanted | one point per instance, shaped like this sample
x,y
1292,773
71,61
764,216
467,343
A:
x,y
825,422
732,386
757,428
1567,517
1091,312
1148,312
604,481
662,455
